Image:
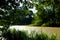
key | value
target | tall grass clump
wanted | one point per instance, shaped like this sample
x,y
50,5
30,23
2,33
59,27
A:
x,y
24,35
15,35
53,37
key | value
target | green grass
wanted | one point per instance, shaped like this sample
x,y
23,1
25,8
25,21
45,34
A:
x,y
23,35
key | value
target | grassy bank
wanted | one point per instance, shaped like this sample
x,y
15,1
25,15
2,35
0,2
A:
x,y
24,35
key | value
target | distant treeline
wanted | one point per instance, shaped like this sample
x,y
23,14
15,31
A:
x,y
17,12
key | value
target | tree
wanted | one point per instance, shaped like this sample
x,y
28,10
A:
x,y
48,13
13,10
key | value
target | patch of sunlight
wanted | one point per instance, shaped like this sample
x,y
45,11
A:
x,y
22,28
1,26
18,27
33,9
27,28
21,4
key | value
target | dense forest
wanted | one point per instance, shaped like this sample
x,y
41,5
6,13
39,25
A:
x,y
16,12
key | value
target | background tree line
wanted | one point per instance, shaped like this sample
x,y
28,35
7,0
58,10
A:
x,y
16,12
48,13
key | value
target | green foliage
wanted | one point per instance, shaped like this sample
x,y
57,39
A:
x,y
23,35
15,35
42,36
53,37
48,13
12,13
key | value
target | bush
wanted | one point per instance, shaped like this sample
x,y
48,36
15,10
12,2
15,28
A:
x,y
23,35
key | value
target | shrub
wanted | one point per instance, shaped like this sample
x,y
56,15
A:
x,y
23,35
